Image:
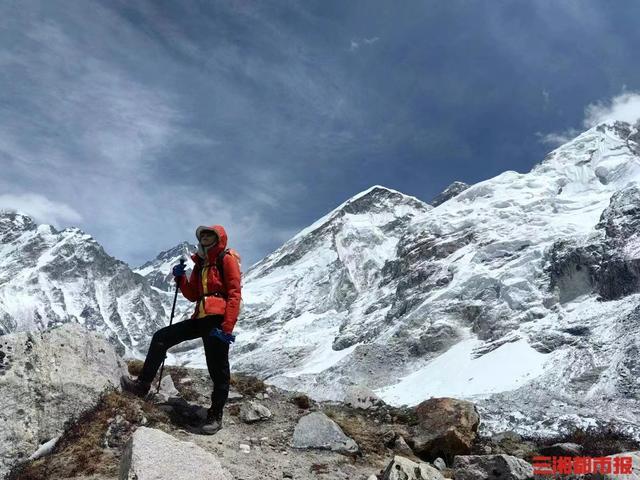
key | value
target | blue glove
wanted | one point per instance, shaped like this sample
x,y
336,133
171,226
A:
x,y
227,338
178,270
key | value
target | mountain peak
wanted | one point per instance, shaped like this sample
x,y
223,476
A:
x,y
374,198
605,154
13,223
451,191
158,270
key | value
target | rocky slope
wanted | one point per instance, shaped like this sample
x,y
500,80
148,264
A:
x,y
50,277
90,430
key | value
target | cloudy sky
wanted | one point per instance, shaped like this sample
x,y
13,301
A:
x,y
139,120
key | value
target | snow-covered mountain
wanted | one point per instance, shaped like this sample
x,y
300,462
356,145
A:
x,y
519,292
50,277
158,271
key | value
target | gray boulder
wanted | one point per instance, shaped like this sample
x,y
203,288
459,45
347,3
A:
x,y
152,454
316,430
401,468
489,467
47,379
251,412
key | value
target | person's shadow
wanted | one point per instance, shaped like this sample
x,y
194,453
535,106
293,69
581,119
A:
x,y
181,413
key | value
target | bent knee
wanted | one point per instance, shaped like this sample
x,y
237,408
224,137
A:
x,y
160,338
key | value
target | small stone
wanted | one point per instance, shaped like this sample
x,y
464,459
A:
x,y
245,448
439,463
234,395
400,446
251,412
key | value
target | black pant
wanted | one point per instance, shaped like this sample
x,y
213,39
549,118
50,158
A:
x,y
216,352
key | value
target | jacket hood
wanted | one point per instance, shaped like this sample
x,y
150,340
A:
x,y
214,250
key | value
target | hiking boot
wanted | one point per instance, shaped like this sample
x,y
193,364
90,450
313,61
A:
x,y
137,387
212,424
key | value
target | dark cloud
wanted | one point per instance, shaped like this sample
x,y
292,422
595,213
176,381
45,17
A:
x,y
142,119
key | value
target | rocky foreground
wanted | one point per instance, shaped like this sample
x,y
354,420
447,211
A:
x,y
64,418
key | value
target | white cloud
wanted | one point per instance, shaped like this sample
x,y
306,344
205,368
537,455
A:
x,y
624,107
358,43
41,209
557,139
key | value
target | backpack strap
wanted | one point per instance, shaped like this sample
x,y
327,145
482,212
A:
x,y
219,263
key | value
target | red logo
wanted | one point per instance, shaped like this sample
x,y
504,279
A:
x,y
580,465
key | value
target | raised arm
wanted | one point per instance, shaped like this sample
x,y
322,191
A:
x,y
189,287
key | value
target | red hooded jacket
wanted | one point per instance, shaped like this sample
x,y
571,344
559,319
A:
x,y
215,295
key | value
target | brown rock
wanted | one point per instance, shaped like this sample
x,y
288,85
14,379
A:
x,y
446,427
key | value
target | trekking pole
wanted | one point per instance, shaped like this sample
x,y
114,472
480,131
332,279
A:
x,y
173,309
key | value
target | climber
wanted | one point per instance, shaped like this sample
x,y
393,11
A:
x,y
215,286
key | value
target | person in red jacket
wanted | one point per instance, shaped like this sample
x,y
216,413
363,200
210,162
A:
x,y
217,308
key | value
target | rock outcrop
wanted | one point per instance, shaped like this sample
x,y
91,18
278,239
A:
x,y
46,380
